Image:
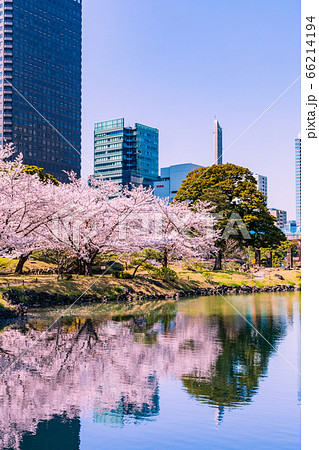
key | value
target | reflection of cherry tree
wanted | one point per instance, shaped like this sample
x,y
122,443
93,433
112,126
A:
x,y
102,367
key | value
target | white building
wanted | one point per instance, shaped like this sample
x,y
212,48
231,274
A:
x,y
281,217
171,179
261,183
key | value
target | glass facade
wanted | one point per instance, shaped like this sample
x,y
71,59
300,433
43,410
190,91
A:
x,y
41,77
298,180
125,154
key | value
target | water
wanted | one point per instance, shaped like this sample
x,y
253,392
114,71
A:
x,y
191,374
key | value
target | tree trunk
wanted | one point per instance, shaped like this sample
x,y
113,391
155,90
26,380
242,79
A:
x,y
80,267
218,261
22,260
88,269
269,259
135,270
290,260
165,258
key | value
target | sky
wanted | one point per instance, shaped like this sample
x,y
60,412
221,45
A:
x,y
176,65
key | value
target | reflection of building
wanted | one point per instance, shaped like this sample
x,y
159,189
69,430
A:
x,y
171,179
219,414
218,143
125,408
298,179
261,183
280,216
64,432
125,154
41,55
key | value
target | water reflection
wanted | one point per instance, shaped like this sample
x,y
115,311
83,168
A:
x,y
234,378
112,367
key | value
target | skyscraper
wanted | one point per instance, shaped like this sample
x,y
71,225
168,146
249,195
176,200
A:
x,y
298,179
40,82
218,143
126,154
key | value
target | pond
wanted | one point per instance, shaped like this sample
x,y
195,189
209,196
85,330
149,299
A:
x,y
194,374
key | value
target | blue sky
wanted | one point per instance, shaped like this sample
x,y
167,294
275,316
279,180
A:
x,y
176,64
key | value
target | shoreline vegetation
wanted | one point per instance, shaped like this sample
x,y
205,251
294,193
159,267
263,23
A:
x,y
19,293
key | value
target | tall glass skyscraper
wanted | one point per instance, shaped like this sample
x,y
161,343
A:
x,y
40,81
218,143
298,179
126,154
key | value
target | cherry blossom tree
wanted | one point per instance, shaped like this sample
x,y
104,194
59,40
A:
x,y
173,228
89,223
184,232
84,218
25,205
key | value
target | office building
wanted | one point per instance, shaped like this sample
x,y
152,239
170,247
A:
x,y
40,82
126,154
261,184
171,179
218,143
280,216
298,179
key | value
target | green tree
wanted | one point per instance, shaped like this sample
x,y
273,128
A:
x,y
240,207
45,177
142,258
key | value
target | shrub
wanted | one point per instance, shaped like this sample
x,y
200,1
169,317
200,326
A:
x,y
164,273
118,289
122,275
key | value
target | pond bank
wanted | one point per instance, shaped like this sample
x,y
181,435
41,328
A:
x,y
20,300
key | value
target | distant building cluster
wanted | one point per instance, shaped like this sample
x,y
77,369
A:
x,y
292,230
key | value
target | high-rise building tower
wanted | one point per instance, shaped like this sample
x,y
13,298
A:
x,y
126,154
261,184
40,82
298,179
218,143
